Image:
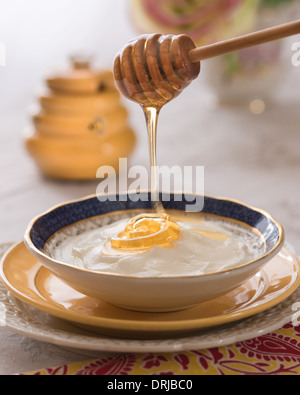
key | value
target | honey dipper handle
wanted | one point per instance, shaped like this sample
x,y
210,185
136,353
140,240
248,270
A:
x,y
246,41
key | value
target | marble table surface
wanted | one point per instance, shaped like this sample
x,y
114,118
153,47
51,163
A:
x,y
251,158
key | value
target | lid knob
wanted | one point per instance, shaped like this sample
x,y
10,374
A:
x,y
81,62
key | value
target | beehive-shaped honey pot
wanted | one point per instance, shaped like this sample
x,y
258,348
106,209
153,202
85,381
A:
x,y
81,126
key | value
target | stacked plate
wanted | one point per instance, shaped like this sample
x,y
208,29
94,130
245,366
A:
x,y
40,304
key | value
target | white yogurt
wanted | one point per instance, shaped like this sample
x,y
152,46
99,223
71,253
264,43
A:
x,y
220,245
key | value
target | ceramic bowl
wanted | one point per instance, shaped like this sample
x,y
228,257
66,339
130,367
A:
x,y
82,81
79,158
91,105
81,126
155,294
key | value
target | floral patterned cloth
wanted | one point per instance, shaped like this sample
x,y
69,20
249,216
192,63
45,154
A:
x,y
277,353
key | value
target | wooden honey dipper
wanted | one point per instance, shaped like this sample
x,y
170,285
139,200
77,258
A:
x,y
154,69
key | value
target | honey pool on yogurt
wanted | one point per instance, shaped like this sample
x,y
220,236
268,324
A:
x,y
171,244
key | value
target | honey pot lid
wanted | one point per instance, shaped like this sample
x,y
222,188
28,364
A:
x,y
81,77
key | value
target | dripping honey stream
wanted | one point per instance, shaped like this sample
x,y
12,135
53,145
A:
x,y
151,88
147,230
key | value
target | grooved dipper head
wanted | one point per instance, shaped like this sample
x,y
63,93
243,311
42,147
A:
x,y
154,69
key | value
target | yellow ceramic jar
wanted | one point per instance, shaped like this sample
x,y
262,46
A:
x,y
81,126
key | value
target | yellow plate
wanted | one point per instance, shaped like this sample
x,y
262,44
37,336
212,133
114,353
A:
x,y
29,281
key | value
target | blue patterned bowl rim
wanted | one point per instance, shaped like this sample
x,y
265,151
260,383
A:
x,y
43,227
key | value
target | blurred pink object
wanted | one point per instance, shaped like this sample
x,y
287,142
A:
x,y
197,18
176,12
